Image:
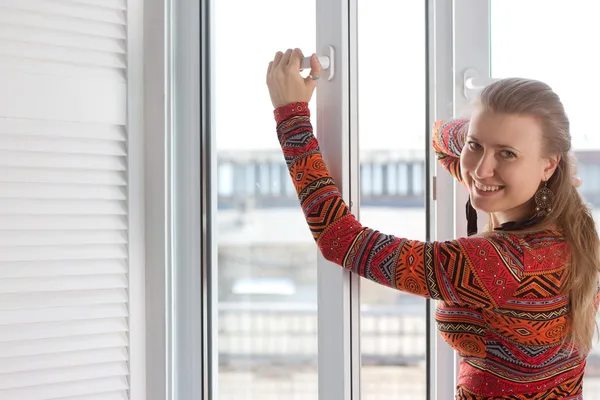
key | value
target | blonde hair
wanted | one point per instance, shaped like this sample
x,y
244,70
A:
x,y
569,213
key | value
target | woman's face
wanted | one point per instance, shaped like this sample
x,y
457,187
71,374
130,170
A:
x,y
503,165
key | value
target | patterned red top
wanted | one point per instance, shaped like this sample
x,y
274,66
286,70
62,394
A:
x,y
502,303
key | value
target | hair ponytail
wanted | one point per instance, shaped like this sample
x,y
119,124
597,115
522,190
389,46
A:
x,y
569,213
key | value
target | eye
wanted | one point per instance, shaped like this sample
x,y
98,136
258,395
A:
x,y
507,154
474,145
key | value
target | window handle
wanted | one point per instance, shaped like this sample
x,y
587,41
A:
x,y
474,83
326,61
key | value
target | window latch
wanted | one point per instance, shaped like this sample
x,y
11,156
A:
x,y
326,61
474,83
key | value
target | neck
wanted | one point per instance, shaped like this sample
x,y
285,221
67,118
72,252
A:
x,y
517,214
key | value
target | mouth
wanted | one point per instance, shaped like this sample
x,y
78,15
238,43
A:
x,y
486,190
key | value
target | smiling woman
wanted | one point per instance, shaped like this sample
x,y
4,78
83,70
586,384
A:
x,y
502,177
518,303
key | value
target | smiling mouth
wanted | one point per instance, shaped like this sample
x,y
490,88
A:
x,y
486,188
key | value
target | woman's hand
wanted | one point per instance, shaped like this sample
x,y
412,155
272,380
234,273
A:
x,y
285,84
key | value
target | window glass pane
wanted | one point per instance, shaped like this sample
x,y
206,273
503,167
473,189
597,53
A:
x,y
290,190
225,179
249,179
555,41
377,179
366,180
391,125
265,179
403,178
418,181
392,179
275,179
266,268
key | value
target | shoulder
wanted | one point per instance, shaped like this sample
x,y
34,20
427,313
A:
x,y
546,251
539,252
543,239
505,248
522,253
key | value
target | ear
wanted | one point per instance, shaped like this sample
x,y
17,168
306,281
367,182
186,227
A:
x,y
550,165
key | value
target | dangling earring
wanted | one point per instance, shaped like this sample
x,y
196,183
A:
x,y
544,199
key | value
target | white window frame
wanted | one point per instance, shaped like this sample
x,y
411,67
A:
x,y
157,164
471,59
179,285
462,45
135,135
337,289
442,363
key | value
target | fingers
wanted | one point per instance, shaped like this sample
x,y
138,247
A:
x,y
576,181
277,59
285,60
296,59
269,70
315,66
291,58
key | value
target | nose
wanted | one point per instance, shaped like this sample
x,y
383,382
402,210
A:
x,y
485,167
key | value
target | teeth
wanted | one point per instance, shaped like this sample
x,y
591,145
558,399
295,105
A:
x,y
487,188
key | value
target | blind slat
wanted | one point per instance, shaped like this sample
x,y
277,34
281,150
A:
x,y
79,57
60,129
47,361
63,283
62,23
54,268
62,299
73,161
12,64
68,374
67,9
44,222
34,175
59,191
61,238
56,346
58,329
102,396
23,34
81,252
116,4
61,145
71,313
55,391
62,207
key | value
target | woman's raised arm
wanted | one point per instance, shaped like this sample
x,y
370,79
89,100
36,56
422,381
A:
x,y
448,139
482,272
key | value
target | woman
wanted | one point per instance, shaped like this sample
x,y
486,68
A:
x,y
518,303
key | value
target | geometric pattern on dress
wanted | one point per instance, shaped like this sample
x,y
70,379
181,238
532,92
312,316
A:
x,y
541,378
570,389
529,332
531,357
502,296
448,141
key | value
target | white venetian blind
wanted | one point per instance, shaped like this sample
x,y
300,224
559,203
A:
x,y
63,200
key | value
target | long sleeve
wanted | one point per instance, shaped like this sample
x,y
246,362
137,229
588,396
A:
x,y
448,142
483,272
